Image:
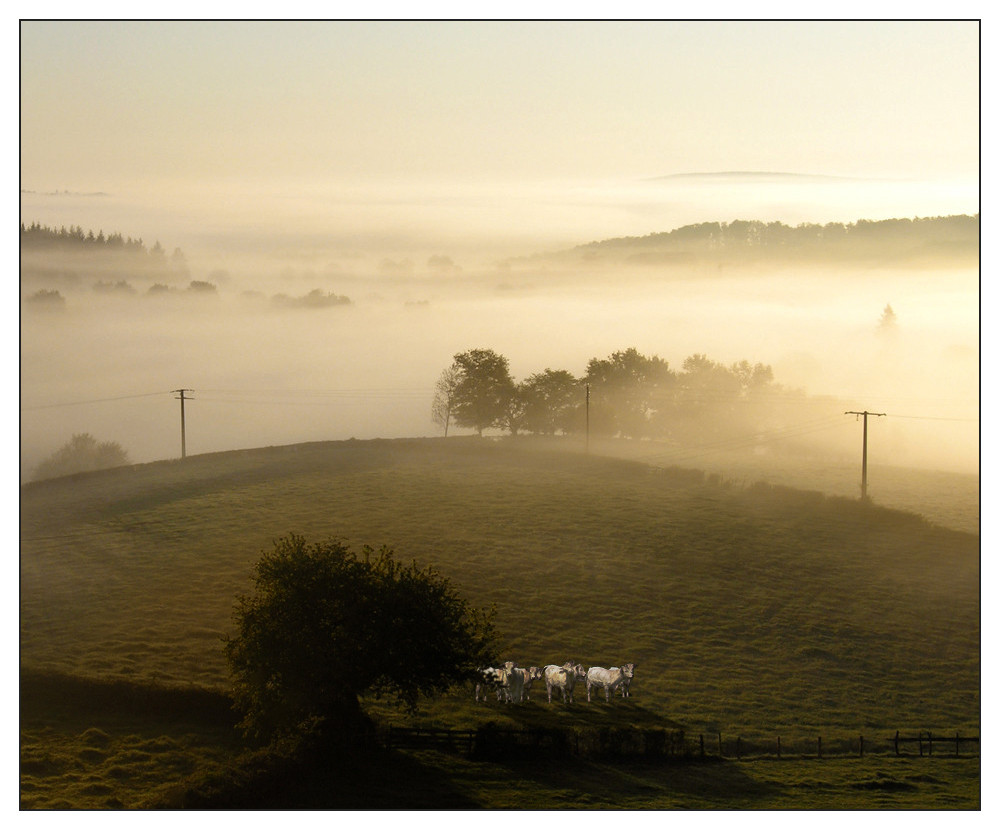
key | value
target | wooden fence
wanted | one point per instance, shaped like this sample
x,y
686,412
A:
x,y
741,748
456,740
495,742
925,739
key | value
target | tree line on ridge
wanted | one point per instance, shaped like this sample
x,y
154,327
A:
x,y
627,394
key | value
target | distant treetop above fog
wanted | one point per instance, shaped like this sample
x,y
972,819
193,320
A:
x,y
94,255
39,236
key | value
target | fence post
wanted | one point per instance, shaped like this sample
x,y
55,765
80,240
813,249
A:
x,y
956,744
920,742
896,742
721,755
779,746
701,742
930,744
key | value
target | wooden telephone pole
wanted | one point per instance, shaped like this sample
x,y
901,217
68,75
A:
x,y
183,435
864,450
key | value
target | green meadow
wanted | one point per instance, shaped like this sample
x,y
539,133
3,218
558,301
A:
x,y
751,609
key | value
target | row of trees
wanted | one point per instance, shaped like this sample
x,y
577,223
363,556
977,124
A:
x,y
36,236
70,256
627,394
943,235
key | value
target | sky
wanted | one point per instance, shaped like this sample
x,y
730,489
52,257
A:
x,y
110,105
501,137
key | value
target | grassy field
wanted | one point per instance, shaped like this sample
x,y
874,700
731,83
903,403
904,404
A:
x,y
750,609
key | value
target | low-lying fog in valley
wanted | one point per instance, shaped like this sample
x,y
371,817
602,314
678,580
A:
x,y
275,355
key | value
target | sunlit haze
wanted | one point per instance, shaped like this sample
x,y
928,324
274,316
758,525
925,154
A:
x,y
417,167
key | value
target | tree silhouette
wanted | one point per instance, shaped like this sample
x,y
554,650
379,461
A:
x,y
82,453
484,391
444,398
550,399
632,386
324,626
887,322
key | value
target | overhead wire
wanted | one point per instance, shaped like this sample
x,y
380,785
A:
x,y
92,400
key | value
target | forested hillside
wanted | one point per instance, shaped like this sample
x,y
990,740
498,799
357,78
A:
x,y
933,240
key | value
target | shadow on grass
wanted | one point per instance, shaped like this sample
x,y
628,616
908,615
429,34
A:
x,y
625,784
49,694
372,781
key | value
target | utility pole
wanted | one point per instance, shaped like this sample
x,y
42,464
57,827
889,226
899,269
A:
x,y
864,450
183,435
587,440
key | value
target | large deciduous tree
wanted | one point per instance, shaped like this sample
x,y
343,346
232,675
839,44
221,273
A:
x,y
550,400
324,626
628,389
485,390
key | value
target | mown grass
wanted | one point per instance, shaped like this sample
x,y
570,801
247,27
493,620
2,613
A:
x,y
755,610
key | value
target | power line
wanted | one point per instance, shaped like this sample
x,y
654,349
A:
x,y
864,450
931,418
93,400
183,431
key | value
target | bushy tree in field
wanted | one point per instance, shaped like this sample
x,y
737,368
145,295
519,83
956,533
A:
x,y
324,626
81,454
485,390
633,387
550,400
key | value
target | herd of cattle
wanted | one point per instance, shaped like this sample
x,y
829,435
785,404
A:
x,y
511,683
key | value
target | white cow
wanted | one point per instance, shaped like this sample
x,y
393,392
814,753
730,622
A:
x,y
529,676
506,681
628,669
490,678
564,678
607,679
513,683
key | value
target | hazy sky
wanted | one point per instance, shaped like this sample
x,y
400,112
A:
x,y
107,105
318,151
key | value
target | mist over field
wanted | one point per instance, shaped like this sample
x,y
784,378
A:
x,y
670,271
343,206
330,316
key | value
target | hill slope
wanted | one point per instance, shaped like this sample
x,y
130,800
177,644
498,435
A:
x,y
756,608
